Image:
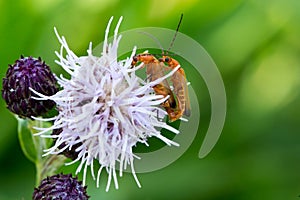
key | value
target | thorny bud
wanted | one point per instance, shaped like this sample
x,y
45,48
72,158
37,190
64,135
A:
x,y
62,187
26,73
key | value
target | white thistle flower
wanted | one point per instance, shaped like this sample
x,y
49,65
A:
x,y
105,109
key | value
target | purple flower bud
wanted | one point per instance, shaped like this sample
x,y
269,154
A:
x,y
28,73
60,186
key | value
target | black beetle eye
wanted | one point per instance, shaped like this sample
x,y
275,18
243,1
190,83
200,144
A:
x,y
167,59
135,58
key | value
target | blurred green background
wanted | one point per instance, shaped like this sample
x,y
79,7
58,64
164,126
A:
x,y
256,47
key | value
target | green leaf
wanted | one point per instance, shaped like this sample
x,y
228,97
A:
x,y
26,139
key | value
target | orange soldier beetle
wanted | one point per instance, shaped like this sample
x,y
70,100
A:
x,y
180,87
178,104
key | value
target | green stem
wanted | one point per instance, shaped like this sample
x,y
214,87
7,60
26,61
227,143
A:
x,y
38,177
48,165
38,141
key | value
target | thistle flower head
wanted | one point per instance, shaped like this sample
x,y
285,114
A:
x,y
25,73
104,110
63,187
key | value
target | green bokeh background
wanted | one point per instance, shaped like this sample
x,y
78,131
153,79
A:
x,y
256,47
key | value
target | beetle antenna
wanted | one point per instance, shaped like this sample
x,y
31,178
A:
x,y
154,39
172,42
